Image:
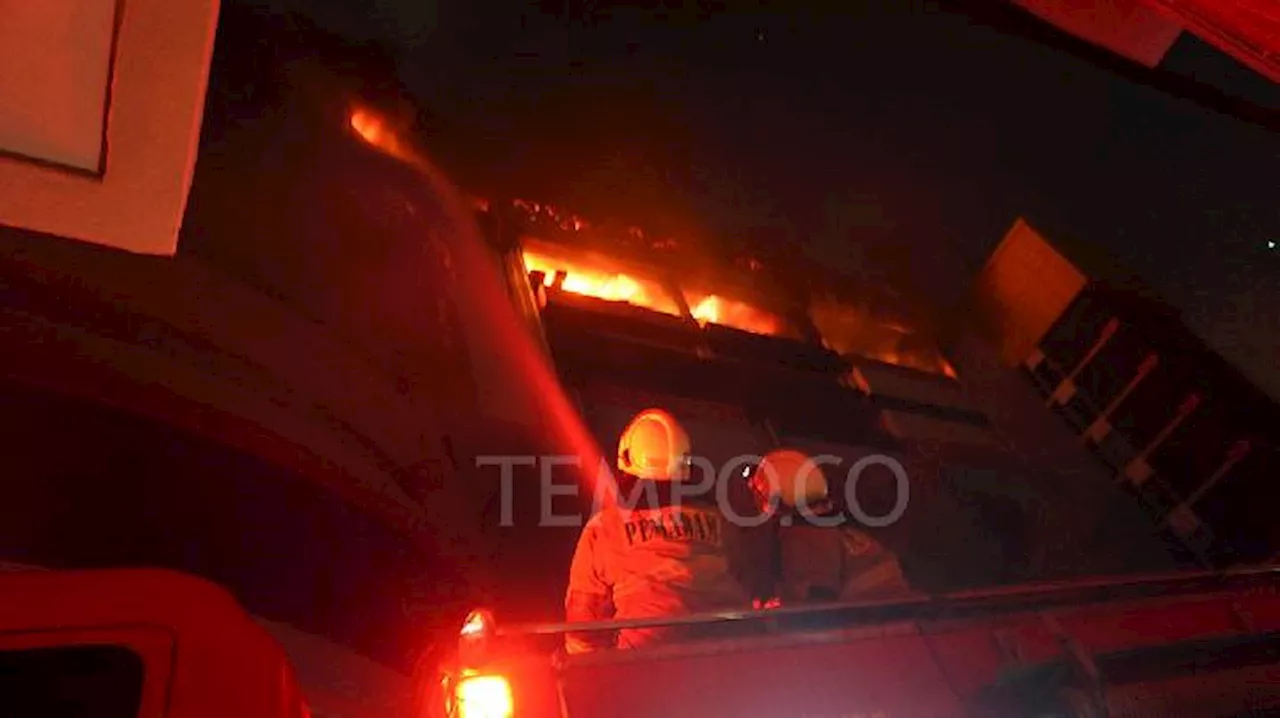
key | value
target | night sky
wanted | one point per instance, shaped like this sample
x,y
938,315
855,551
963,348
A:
x,y
904,135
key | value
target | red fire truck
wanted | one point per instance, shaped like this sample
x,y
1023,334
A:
x,y
155,643
1165,645
135,644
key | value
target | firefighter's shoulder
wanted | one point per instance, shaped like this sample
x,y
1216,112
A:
x,y
860,543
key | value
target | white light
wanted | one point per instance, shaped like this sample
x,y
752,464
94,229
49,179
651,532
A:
x,y
479,624
1271,244
484,697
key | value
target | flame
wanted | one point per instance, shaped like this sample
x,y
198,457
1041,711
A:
x,y
857,331
368,126
615,288
602,284
373,129
844,329
714,309
581,278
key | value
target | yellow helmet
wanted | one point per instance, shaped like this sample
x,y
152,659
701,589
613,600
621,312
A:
x,y
792,476
655,447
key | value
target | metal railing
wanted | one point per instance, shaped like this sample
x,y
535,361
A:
x,y
968,603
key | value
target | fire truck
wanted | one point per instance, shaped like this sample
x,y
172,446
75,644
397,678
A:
x,y
149,643
1161,645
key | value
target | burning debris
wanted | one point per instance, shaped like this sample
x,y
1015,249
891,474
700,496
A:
x,y
543,214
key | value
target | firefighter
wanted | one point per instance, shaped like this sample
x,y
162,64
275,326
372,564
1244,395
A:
x,y
663,555
821,554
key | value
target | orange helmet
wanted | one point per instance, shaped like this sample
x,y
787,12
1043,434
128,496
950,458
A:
x,y
792,476
655,447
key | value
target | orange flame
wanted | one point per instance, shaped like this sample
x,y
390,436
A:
x,y
602,284
857,331
844,329
368,126
373,129
713,309
592,281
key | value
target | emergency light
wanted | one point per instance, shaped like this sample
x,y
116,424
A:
x,y
483,696
475,638
479,694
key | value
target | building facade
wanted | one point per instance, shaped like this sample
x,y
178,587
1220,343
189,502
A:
x,y
752,357
1178,427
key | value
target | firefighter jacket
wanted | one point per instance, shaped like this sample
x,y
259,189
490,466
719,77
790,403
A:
x,y
658,562
835,563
